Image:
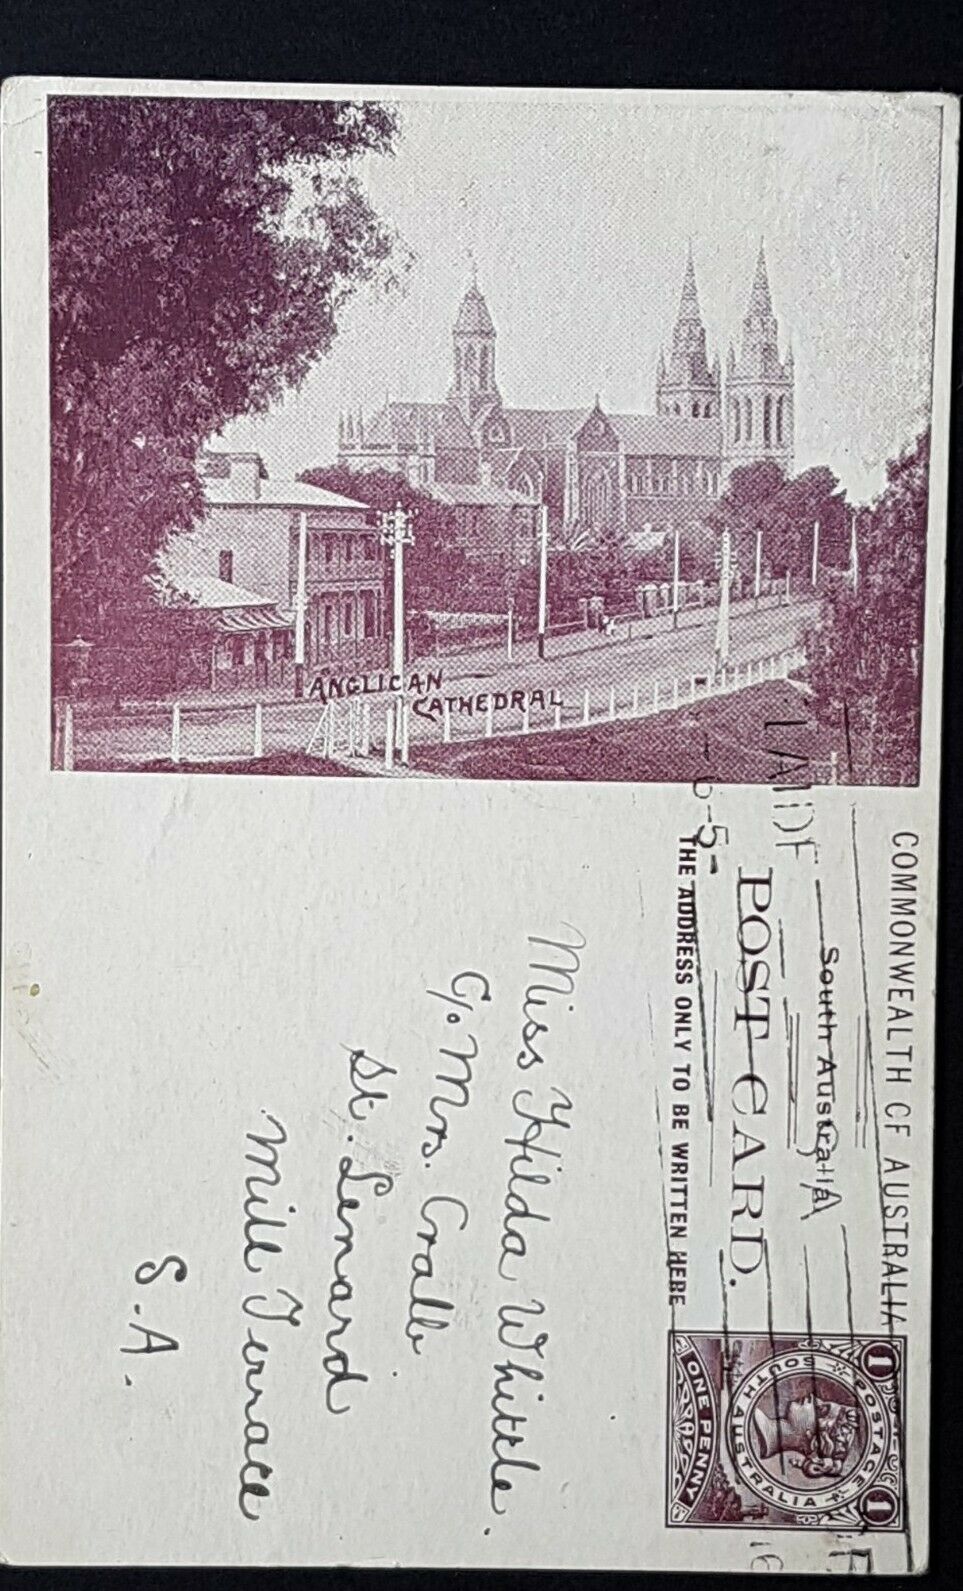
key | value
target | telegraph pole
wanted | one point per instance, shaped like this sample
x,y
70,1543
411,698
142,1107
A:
x,y
675,580
397,534
542,577
722,628
300,605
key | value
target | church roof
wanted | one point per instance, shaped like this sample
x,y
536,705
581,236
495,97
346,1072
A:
x,y
538,428
678,434
652,434
473,318
465,494
412,425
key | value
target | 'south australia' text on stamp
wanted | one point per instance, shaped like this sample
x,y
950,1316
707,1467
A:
x,y
802,1431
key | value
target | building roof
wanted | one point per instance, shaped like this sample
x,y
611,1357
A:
x,y
208,591
415,425
651,434
538,428
668,434
274,492
473,318
479,495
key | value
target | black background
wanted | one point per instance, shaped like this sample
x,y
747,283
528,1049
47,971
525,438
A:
x,y
881,46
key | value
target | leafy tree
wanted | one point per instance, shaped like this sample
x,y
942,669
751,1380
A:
x,y
200,252
866,651
437,572
760,497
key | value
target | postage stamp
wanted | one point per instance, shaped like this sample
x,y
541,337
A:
x,y
795,1431
431,490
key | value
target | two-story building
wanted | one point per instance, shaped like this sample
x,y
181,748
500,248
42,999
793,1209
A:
x,y
249,538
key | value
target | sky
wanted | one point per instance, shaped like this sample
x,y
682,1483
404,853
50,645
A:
x,y
578,211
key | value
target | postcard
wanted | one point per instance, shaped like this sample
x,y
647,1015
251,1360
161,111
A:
x,y
473,635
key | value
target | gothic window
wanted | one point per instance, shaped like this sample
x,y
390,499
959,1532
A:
x,y
748,419
225,565
736,420
780,420
695,411
483,367
677,410
469,360
767,420
708,411
525,486
348,615
597,499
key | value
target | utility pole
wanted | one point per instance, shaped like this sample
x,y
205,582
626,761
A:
x,y
397,534
300,605
675,580
542,577
722,628
815,553
854,553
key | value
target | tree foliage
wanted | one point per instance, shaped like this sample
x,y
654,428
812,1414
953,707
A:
x,y
200,252
760,497
866,652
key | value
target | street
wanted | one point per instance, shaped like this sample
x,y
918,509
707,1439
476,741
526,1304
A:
x,y
484,690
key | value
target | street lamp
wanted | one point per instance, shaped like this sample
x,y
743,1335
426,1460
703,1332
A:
x,y
396,535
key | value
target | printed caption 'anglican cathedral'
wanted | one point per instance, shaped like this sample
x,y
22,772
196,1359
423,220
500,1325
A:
x,y
630,472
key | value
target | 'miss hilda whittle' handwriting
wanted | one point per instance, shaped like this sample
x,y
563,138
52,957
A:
x,y
539,1119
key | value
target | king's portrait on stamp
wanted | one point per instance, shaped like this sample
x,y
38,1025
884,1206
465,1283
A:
x,y
798,1432
487,439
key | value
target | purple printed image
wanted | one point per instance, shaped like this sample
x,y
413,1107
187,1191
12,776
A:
x,y
490,438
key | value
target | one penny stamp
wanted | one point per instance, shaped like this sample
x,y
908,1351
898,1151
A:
x,y
795,1431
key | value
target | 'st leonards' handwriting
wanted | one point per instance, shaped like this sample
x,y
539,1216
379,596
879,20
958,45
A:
x,y
337,1365
560,964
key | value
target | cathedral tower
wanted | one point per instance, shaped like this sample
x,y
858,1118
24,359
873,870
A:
x,y
473,387
686,385
759,416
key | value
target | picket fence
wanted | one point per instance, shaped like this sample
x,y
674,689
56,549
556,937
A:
x,y
359,729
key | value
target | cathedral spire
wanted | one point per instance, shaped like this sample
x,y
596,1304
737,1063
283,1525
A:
x,y
684,384
473,385
689,302
760,298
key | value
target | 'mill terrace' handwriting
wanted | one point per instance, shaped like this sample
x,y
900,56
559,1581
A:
x,y
280,1307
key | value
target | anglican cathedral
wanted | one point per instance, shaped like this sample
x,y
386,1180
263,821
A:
x,y
634,474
